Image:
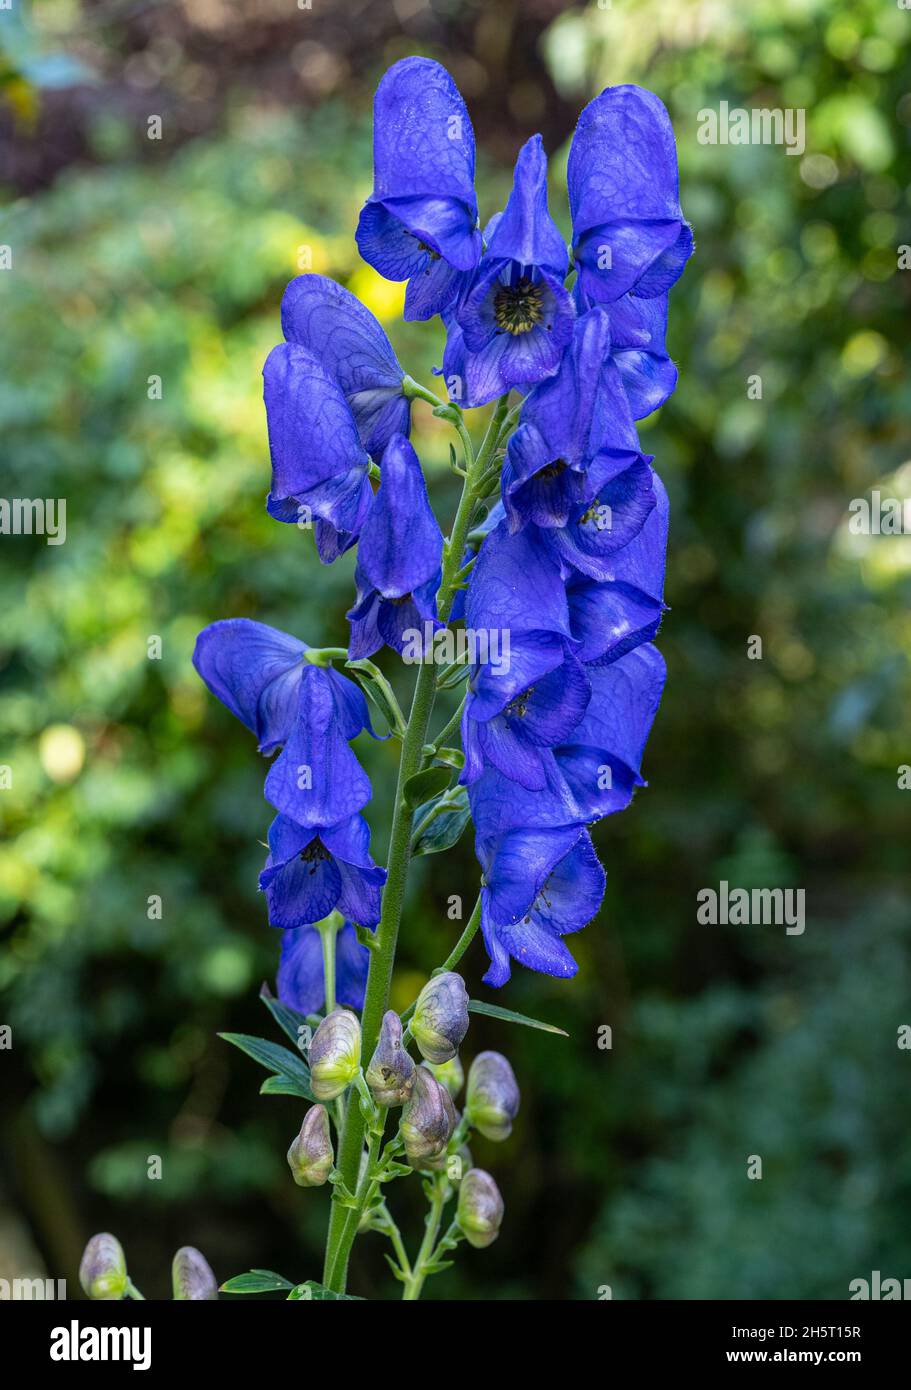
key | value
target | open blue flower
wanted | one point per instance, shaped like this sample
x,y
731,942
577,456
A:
x,y
575,437
256,672
420,222
312,871
600,760
301,983
322,316
316,779
399,558
517,318
629,233
538,886
319,465
622,607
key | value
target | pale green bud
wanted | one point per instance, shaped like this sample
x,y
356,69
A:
x,y
335,1054
492,1098
428,1119
440,1019
390,1074
103,1269
450,1074
310,1156
480,1208
191,1276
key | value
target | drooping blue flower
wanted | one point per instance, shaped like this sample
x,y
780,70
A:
x,y
538,886
399,558
322,316
623,606
256,672
420,222
300,981
319,465
312,871
516,319
638,331
596,532
316,780
629,233
600,761
576,438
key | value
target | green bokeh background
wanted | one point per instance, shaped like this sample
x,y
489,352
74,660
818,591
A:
x,y
134,258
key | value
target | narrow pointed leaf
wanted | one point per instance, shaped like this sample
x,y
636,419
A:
x,y
477,1006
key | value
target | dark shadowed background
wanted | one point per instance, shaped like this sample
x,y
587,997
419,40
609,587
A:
x,y
134,257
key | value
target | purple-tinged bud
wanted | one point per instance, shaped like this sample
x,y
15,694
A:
x,y
191,1276
103,1268
335,1054
492,1098
310,1156
390,1074
480,1208
450,1074
428,1119
440,1019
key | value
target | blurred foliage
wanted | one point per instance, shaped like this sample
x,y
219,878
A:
x,y
627,1166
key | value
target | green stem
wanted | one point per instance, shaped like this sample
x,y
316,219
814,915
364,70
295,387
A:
x,y
415,1283
328,930
450,728
133,1292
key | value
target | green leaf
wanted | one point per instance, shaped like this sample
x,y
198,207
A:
x,y
423,786
285,1086
380,692
447,826
366,937
311,1292
454,757
477,1006
290,1066
256,1281
288,1019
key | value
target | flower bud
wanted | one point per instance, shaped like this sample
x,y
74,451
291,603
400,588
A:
x,y
492,1098
480,1208
449,1074
103,1269
310,1156
428,1119
335,1054
390,1074
440,1019
191,1276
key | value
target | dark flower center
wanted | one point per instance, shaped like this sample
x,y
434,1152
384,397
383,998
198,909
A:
x,y
553,470
315,853
518,708
518,308
422,246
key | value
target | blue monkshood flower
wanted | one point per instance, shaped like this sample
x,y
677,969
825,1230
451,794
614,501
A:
x,y
628,231
420,223
314,870
322,316
638,330
319,465
576,440
256,672
516,709
623,607
600,761
538,886
517,318
399,558
316,779
513,731
300,981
